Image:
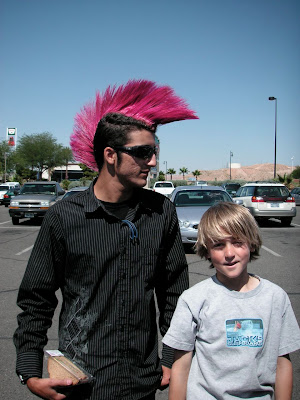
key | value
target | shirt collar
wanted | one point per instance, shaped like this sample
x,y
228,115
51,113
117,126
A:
x,y
92,204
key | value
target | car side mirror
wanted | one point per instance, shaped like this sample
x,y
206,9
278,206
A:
x,y
61,192
238,201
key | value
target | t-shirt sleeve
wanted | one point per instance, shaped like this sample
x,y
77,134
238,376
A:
x,y
182,332
290,332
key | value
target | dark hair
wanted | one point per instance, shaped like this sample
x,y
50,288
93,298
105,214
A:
x,y
112,131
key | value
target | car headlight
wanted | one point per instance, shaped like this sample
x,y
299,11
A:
x,y
14,203
45,203
184,224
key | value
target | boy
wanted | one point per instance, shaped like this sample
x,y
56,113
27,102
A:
x,y
234,331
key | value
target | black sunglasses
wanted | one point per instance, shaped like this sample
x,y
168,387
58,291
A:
x,y
145,152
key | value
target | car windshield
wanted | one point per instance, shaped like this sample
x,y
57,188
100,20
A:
x,y
272,191
38,189
232,186
163,184
194,198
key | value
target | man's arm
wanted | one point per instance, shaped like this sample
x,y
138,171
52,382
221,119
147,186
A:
x,y
284,378
38,301
47,388
173,280
179,375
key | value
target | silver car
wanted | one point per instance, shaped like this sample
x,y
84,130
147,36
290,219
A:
x,y
191,202
296,194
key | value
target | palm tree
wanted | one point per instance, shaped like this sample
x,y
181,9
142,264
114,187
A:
x,y
196,173
171,171
183,170
67,156
285,179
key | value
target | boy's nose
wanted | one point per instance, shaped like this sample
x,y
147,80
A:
x,y
229,250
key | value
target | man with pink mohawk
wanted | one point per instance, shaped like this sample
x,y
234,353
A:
x,y
113,251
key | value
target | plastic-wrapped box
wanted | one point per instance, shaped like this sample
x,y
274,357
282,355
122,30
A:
x,y
61,367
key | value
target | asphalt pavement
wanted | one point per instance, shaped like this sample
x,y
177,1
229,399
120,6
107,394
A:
x,y
279,262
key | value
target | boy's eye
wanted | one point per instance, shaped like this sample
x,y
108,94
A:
x,y
238,243
217,245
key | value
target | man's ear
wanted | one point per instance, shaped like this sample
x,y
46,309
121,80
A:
x,y
109,155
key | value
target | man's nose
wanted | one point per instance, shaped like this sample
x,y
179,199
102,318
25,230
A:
x,y
152,161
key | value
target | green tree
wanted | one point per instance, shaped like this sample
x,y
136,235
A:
x,y
6,160
196,173
296,172
285,179
161,176
87,172
39,152
171,171
67,156
183,171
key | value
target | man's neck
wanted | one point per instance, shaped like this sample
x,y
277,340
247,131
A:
x,y
110,190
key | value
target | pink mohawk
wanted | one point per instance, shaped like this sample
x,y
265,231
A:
x,y
139,99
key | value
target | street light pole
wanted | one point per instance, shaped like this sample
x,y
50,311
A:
x,y
275,98
165,162
231,155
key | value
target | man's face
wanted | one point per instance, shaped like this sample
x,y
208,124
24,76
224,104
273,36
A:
x,y
133,171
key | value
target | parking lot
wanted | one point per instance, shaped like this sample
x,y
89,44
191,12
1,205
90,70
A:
x,y
279,262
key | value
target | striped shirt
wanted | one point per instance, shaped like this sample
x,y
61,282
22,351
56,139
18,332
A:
x,y
107,270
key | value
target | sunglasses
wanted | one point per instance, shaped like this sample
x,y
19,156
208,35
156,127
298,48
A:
x,y
145,152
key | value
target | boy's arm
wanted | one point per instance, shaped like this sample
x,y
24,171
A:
x,y
179,374
284,378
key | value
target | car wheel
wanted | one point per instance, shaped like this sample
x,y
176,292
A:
x,y
15,221
286,221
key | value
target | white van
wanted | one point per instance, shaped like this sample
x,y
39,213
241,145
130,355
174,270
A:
x,y
4,187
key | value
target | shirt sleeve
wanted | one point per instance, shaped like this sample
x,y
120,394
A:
x,y
37,297
182,332
290,332
172,281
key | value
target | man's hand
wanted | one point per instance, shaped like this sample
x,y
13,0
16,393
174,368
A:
x,y
166,377
46,388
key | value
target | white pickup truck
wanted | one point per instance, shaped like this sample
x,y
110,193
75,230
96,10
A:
x,y
164,187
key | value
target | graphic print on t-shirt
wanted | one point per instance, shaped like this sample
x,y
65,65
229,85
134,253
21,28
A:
x,y
244,332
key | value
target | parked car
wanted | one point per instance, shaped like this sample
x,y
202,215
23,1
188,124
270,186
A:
x,y
34,200
8,196
4,187
231,188
73,191
296,194
201,183
191,202
268,200
164,187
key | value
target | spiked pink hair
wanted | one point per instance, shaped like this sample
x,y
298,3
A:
x,y
139,99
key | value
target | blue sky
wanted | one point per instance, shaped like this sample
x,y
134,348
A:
x,y
225,57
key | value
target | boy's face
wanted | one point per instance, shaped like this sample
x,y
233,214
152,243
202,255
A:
x,y
230,257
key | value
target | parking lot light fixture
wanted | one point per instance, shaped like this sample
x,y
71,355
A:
x,y
275,98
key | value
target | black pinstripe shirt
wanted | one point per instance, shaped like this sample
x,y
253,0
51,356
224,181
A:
x,y
108,271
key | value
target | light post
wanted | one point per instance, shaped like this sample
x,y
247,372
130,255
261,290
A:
x,y
165,162
292,158
231,155
275,98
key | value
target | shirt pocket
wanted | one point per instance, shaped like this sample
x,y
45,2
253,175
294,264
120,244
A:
x,y
151,261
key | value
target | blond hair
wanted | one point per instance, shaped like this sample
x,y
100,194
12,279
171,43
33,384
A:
x,y
228,220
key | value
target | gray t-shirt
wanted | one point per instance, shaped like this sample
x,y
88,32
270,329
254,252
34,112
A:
x,y
236,338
